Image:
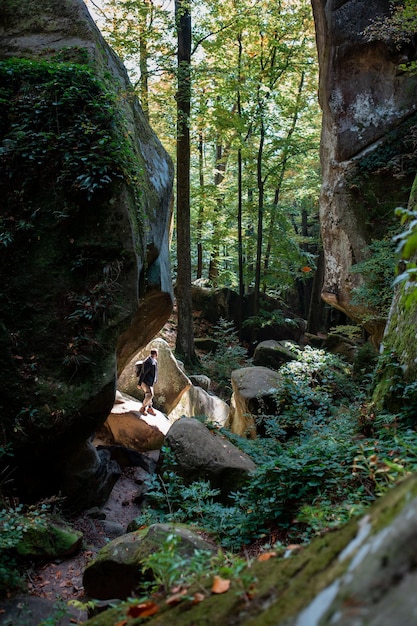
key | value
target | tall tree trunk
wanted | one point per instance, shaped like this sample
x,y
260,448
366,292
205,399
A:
x,y
315,313
201,206
259,235
283,169
185,331
239,194
143,60
222,155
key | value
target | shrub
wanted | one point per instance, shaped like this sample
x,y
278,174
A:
x,y
229,355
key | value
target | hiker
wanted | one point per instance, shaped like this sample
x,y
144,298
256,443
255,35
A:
x,y
146,381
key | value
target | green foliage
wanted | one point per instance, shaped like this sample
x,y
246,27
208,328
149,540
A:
x,y
350,331
310,389
169,569
377,274
14,523
407,249
275,79
59,123
266,319
229,355
364,363
312,465
59,611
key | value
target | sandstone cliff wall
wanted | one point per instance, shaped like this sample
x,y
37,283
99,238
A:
x,y
85,190
369,117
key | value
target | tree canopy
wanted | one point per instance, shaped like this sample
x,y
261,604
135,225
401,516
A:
x,y
254,126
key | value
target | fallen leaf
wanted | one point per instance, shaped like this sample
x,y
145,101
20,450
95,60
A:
x,y
306,269
176,597
146,609
294,546
198,597
265,556
220,585
123,623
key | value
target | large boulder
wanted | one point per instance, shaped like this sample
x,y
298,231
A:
x,y
88,476
86,205
117,571
367,151
49,540
254,394
126,426
273,354
172,381
198,402
203,454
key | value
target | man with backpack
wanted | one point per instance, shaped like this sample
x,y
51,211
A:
x,y
147,378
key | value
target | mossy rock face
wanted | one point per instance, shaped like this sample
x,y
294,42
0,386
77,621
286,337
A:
x,y
369,563
86,189
397,366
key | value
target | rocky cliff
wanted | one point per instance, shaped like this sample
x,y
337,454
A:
x,y
85,190
367,150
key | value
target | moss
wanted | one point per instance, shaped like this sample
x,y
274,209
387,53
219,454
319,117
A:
x,y
398,365
49,540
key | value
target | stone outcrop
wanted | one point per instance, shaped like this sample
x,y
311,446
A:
x,y
86,206
368,164
198,402
203,454
126,426
254,390
273,353
172,381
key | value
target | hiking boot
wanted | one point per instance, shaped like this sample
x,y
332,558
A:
x,y
151,411
142,410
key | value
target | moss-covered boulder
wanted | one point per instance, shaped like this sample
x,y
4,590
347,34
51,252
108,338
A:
x,y
117,571
273,354
49,540
84,261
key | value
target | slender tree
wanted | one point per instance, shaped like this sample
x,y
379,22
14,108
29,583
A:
x,y
185,330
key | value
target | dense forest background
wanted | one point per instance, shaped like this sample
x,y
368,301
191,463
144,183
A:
x,y
254,127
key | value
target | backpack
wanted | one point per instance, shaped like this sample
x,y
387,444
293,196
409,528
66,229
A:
x,y
139,368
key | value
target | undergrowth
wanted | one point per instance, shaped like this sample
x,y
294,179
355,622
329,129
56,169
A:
x,y
322,459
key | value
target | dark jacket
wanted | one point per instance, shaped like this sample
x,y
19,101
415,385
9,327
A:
x,y
149,374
